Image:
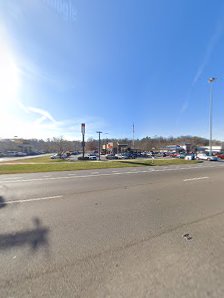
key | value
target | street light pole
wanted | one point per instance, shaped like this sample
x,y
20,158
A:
x,y
210,80
99,132
83,127
133,136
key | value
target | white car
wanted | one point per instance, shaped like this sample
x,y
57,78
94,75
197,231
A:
x,y
119,156
21,154
55,156
189,157
204,156
92,157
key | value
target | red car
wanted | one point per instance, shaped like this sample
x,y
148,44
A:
x,y
220,155
174,154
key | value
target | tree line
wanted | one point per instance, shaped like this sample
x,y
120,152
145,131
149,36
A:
x,y
61,145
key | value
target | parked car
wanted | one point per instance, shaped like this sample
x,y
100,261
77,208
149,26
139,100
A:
x,y
75,153
55,156
132,155
189,156
111,156
21,154
220,155
123,155
204,156
173,154
143,154
149,154
83,158
92,157
58,155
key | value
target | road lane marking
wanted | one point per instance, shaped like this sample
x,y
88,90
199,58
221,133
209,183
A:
x,y
72,176
47,176
95,173
193,179
55,178
31,200
12,178
84,176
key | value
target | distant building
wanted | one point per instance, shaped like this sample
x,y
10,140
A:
x,y
215,149
172,148
190,148
114,147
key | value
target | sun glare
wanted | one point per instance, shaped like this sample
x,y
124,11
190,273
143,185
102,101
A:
x,y
9,77
9,88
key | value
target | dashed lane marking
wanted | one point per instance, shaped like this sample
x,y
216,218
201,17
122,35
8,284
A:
x,y
97,174
193,179
31,200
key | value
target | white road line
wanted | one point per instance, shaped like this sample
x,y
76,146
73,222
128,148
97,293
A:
x,y
31,200
55,178
193,179
47,176
95,173
72,176
12,178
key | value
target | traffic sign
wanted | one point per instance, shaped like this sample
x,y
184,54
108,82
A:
x,y
83,125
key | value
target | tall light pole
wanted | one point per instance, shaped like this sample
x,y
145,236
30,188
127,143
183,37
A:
x,y
83,127
133,136
211,81
99,132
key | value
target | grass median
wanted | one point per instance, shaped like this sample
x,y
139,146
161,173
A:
x,y
50,166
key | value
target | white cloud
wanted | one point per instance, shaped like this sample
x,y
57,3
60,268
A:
x,y
35,122
9,74
45,115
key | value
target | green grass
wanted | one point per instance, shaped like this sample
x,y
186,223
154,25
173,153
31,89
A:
x,y
85,165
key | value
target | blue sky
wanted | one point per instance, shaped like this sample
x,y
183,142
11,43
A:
x,y
110,63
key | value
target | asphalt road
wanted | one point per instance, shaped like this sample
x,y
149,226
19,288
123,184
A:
x,y
143,232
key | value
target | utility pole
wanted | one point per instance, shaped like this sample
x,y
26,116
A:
x,y
210,80
99,132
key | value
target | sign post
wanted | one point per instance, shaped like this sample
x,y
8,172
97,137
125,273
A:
x,y
83,126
